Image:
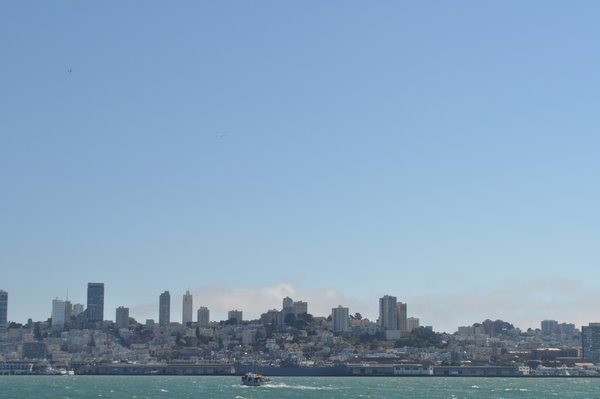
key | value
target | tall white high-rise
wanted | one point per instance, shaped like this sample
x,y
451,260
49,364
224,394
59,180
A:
x,y
340,318
203,317
187,308
58,313
388,313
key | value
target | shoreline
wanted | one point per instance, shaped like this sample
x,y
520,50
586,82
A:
x,y
307,376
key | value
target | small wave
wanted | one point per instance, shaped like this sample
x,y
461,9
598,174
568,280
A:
x,y
475,386
239,397
163,390
300,387
516,390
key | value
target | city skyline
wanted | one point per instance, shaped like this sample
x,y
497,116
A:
x,y
291,339
334,152
390,315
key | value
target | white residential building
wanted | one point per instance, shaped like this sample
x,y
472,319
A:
x,y
340,318
412,323
58,313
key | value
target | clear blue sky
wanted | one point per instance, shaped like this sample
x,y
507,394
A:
x,y
446,153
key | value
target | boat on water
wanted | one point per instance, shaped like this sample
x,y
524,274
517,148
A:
x,y
255,380
60,371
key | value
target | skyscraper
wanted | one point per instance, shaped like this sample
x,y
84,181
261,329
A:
x,y
388,314
164,309
122,317
203,317
402,314
187,308
590,337
3,311
58,313
340,319
95,302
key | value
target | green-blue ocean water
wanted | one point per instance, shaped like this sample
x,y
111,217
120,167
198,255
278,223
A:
x,y
163,387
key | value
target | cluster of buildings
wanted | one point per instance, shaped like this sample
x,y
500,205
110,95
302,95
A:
x,y
393,319
76,337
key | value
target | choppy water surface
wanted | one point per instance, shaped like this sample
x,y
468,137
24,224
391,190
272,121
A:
x,y
159,387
